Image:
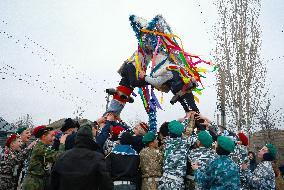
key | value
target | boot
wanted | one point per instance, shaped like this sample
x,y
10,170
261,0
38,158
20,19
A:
x,y
174,99
111,91
130,100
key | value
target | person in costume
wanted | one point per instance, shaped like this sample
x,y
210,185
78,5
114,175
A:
x,y
171,80
167,74
129,81
222,172
263,176
151,162
42,157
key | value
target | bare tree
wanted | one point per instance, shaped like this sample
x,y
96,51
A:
x,y
242,75
23,121
269,119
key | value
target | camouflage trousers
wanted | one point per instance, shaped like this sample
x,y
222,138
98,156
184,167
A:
x,y
7,183
172,182
150,183
34,183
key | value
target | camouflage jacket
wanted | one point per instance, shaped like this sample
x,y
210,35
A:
x,y
240,154
221,173
10,163
175,155
109,145
203,156
41,159
151,161
262,178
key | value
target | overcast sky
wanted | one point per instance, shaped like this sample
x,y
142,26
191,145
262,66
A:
x,y
67,52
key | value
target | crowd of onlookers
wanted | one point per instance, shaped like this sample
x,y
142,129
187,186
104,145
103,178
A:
x,y
187,153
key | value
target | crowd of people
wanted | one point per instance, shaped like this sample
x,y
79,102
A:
x,y
187,153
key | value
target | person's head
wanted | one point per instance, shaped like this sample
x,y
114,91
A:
x,y
125,138
251,155
225,145
175,129
150,140
95,128
45,134
69,126
14,142
24,133
204,139
243,140
141,129
267,153
221,128
85,132
164,130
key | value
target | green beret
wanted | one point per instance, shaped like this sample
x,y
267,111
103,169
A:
x,y
226,143
176,128
272,150
20,130
149,137
205,139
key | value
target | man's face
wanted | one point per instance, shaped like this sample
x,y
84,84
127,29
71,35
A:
x,y
16,144
26,135
261,152
48,137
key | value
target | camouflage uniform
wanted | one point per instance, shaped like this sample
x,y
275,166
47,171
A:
x,y
203,156
42,157
151,161
10,169
240,156
221,173
175,160
262,178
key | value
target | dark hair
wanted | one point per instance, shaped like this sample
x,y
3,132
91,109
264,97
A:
x,y
164,130
221,151
126,138
95,125
199,125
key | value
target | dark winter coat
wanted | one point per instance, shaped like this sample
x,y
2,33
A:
x,y
123,162
81,168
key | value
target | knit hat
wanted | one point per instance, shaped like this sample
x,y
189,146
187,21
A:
x,y
68,124
176,128
149,137
85,131
10,139
272,150
226,143
40,130
20,130
243,138
116,130
205,138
